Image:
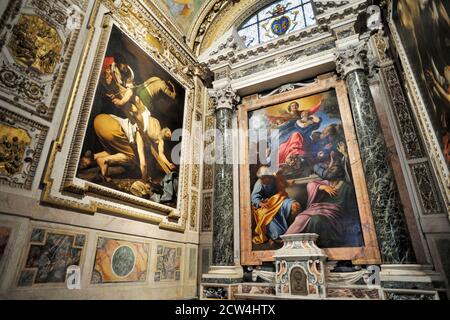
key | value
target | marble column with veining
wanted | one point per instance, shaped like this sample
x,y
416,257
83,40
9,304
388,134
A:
x,y
390,223
225,101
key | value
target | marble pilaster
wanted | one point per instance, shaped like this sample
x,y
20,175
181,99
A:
x,y
387,211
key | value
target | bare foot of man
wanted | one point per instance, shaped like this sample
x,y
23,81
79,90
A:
x,y
103,165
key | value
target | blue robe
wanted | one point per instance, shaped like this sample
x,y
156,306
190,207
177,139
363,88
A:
x,y
279,224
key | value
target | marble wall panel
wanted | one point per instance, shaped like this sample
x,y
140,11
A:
x,y
49,255
120,261
168,263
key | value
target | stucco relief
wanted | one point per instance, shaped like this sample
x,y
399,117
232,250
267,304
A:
x,y
20,149
39,41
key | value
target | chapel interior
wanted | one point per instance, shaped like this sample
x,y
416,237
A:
x,y
225,149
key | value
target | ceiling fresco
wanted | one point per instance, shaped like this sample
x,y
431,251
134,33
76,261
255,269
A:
x,y
183,12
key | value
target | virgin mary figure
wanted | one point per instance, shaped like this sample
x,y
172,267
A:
x,y
293,138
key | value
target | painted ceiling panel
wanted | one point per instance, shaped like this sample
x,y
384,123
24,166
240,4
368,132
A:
x,y
183,12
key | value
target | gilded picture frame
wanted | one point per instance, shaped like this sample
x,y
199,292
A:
x,y
61,186
368,253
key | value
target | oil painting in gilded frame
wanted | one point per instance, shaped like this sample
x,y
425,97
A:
x,y
301,173
425,62
115,152
128,141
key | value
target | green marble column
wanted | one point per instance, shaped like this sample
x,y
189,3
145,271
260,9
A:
x,y
392,232
223,218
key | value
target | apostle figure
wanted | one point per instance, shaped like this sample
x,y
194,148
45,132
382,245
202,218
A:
x,y
119,149
331,205
272,207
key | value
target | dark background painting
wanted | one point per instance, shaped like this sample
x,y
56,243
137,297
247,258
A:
x,y
424,30
169,112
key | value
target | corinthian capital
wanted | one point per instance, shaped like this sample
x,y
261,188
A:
x,y
225,98
351,58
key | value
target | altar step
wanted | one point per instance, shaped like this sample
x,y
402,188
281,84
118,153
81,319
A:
x,y
266,291
255,291
397,282
350,293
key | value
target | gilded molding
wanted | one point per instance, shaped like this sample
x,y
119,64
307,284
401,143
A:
x,y
33,65
193,213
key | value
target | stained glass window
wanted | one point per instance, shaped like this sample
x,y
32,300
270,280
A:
x,y
276,20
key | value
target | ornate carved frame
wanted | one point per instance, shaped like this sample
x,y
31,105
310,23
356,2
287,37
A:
x,y
369,253
61,187
422,116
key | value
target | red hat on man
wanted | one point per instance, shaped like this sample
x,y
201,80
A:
x,y
107,63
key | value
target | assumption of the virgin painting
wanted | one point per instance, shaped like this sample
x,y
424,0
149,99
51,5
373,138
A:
x,y
301,181
424,29
128,141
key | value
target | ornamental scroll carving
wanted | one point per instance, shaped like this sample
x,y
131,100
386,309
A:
x,y
351,58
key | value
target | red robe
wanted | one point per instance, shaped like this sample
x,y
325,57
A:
x,y
292,147
334,212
